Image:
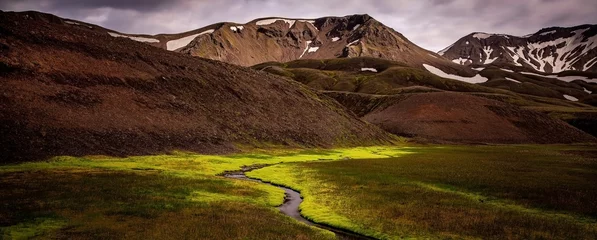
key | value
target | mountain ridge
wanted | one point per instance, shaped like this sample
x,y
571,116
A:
x,y
549,50
282,39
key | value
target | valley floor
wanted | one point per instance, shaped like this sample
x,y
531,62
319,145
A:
x,y
432,192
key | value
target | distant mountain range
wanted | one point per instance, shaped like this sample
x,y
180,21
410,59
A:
x,y
277,39
74,88
284,39
550,50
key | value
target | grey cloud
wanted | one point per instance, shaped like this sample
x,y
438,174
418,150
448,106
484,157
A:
x,y
432,24
138,5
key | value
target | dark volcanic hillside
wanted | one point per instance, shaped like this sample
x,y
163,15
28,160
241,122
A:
x,y
72,90
549,50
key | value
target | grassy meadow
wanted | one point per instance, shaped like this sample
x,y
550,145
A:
x,y
177,196
430,192
453,192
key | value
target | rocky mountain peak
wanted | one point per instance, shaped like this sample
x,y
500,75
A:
x,y
551,50
285,39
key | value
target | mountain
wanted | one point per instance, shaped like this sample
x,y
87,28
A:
x,y
549,50
284,39
72,89
412,102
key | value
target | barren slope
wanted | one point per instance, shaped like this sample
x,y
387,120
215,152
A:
x,y
458,117
71,90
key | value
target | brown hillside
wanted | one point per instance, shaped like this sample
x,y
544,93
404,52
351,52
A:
x,y
76,91
459,117
283,40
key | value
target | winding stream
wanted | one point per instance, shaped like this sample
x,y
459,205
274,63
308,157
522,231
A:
x,y
290,207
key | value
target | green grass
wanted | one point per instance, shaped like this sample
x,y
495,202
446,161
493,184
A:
x,y
156,197
101,204
196,165
435,192
483,192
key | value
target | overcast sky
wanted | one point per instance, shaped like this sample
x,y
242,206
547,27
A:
x,y
432,24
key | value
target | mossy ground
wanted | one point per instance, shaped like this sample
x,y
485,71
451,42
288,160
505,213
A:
x,y
157,197
453,192
434,192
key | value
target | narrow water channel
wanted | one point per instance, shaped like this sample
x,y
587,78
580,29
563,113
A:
x,y
290,207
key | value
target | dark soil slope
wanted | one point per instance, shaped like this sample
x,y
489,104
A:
x,y
459,117
74,91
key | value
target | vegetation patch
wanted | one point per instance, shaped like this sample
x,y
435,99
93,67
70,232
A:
x,y
31,229
156,197
487,192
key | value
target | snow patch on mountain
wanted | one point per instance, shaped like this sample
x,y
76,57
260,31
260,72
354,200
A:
x,y
560,58
368,69
553,50
335,39
352,43
580,31
488,50
548,33
589,64
182,42
356,27
438,72
563,52
512,80
506,70
587,91
273,20
138,39
237,28
513,54
481,35
312,22
306,49
461,61
570,98
313,49
563,78
290,22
